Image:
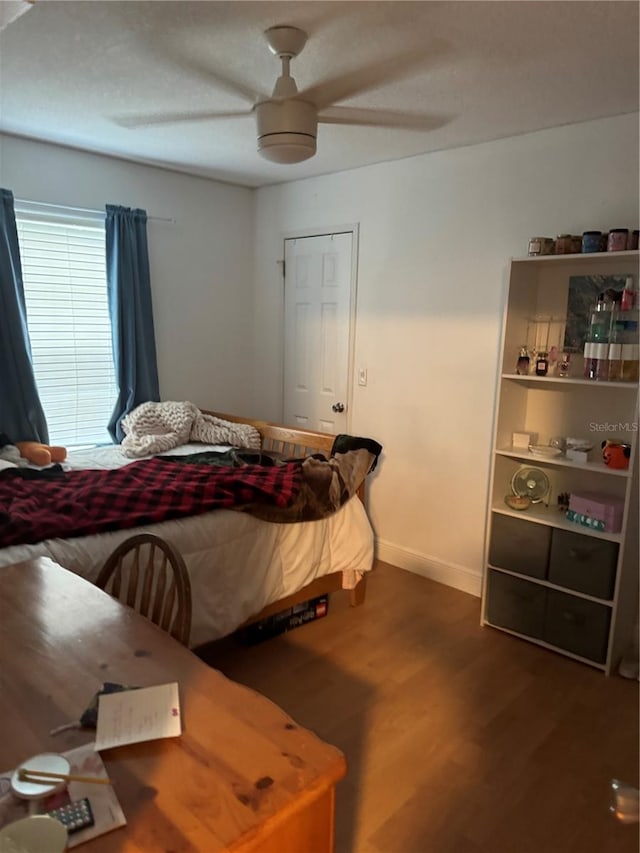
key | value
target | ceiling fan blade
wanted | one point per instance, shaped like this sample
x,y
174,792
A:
x,y
199,69
382,118
373,76
176,118
221,81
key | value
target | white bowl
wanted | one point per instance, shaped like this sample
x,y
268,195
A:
x,y
582,444
544,451
50,762
35,834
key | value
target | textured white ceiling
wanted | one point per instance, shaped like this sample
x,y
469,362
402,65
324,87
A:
x,y
73,72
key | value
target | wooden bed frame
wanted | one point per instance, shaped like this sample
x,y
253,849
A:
x,y
298,443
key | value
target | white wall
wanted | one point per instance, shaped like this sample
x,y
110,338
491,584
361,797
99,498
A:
x,y
201,266
436,234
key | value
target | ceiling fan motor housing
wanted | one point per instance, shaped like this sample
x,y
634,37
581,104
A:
x,y
287,130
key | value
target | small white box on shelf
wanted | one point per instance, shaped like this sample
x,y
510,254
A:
x,y
522,440
577,455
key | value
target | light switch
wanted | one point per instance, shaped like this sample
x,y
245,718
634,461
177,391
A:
x,y
362,376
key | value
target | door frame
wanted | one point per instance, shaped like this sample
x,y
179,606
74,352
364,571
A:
x,y
354,230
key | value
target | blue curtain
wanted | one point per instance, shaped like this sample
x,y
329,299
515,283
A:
x,y
21,414
129,291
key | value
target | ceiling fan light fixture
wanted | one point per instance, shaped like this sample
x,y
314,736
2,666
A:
x,y
287,130
287,147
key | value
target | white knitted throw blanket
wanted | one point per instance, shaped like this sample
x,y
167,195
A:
x,y
158,427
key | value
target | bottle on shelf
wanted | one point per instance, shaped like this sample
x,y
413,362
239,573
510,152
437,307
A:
x,y
596,353
614,373
564,365
542,364
590,363
626,330
627,299
602,357
600,363
522,366
600,320
616,339
630,363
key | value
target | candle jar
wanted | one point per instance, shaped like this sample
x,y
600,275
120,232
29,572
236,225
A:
x,y
564,244
541,246
617,240
591,241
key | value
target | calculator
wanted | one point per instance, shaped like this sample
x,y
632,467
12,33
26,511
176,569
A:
x,y
75,816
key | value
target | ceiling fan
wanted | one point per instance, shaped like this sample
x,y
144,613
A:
x,y
287,121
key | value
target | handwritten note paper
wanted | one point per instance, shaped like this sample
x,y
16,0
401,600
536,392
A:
x,y
138,715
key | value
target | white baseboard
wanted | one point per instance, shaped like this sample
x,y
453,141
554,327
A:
x,y
456,576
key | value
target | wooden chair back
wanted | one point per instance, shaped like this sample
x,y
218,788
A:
x,y
148,574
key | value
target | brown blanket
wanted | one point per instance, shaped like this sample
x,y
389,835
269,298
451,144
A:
x,y
326,486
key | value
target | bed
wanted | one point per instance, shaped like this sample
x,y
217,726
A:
x,y
242,568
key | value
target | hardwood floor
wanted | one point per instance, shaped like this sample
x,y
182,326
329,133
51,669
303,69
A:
x,y
458,739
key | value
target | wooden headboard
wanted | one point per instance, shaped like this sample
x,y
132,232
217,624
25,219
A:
x,y
288,440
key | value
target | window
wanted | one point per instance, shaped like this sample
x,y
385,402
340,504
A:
x,y
65,284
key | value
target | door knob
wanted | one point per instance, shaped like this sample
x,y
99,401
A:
x,y
338,407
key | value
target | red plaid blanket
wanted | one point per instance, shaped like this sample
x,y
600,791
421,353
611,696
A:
x,y
80,503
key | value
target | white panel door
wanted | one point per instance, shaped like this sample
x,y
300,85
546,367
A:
x,y
317,311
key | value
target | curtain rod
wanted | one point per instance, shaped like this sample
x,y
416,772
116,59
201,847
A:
x,y
84,209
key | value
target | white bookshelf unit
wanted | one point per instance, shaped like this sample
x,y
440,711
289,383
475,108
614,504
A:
x,y
549,580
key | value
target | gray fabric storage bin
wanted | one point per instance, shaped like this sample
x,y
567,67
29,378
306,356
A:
x,y
520,546
515,604
577,625
583,563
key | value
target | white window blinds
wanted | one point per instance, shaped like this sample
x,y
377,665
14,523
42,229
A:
x,y
65,283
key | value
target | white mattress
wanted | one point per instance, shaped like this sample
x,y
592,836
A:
x,y
237,564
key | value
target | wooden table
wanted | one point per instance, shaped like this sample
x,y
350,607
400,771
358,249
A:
x,y
242,777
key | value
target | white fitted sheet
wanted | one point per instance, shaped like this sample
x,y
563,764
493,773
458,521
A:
x,y
237,564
